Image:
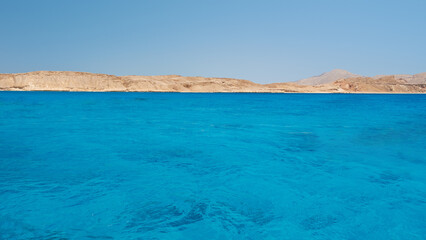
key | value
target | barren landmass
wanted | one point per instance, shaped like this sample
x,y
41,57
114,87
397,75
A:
x,y
91,82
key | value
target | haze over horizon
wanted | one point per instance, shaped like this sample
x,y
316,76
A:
x,y
273,41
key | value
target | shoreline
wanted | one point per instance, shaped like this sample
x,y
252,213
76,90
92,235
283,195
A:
x,y
68,91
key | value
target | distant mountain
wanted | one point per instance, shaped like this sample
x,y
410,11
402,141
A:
x,y
327,77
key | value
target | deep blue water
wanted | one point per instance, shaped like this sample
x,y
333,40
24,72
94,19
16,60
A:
x,y
212,166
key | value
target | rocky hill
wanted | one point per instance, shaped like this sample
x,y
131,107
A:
x,y
384,84
419,78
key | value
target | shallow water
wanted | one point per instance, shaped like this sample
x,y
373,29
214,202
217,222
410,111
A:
x,y
212,166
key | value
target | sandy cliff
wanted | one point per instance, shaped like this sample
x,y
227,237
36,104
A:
x,y
88,82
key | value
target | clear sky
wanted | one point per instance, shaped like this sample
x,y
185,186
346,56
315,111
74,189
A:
x,y
263,40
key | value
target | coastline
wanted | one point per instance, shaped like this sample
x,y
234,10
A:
x,y
77,91
66,81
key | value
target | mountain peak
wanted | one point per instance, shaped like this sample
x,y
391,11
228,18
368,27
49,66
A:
x,y
339,71
327,77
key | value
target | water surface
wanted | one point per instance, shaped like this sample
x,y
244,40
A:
x,y
212,166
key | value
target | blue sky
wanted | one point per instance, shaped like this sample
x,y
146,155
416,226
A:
x,y
263,41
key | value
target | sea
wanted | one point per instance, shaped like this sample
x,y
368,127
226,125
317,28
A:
x,y
212,166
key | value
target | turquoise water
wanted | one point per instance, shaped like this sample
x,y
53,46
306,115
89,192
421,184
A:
x,y
212,166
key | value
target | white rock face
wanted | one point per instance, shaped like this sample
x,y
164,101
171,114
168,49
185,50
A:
x,y
327,77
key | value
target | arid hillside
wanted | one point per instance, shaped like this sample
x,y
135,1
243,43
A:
x,y
384,84
90,82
